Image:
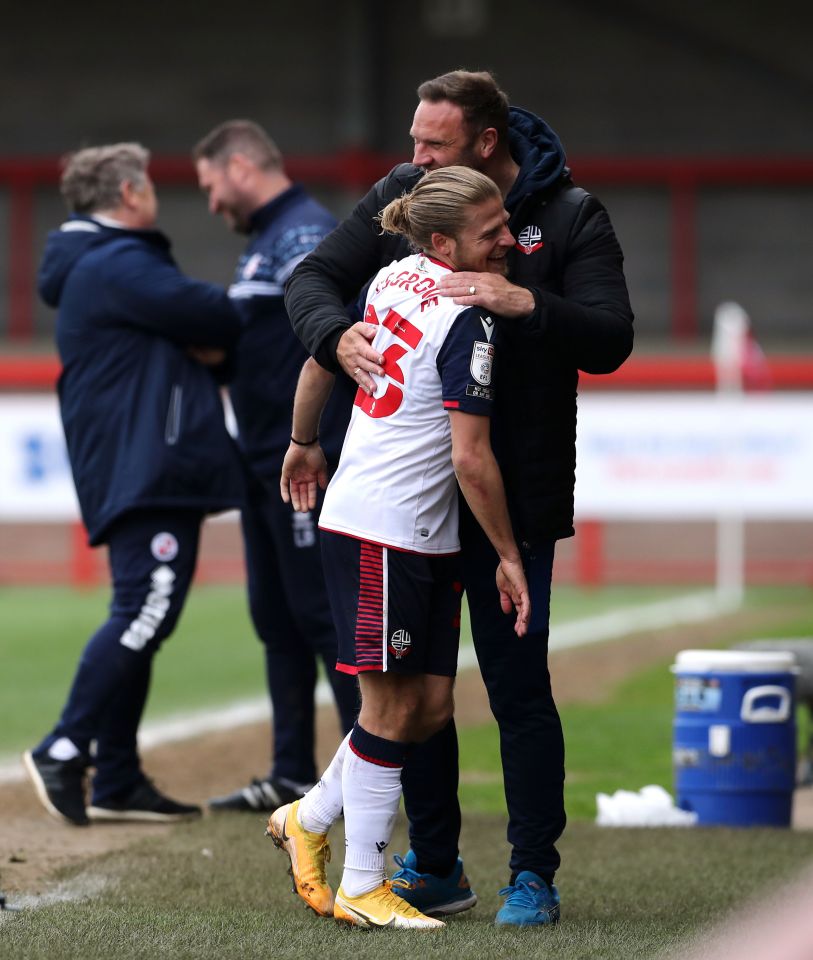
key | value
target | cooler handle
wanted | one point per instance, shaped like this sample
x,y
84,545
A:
x,y
777,714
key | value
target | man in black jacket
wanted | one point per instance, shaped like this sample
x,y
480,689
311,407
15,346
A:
x,y
566,309
150,457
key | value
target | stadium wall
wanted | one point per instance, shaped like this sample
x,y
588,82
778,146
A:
x,y
725,83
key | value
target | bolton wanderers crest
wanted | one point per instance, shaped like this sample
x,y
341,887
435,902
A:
x,y
529,240
400,643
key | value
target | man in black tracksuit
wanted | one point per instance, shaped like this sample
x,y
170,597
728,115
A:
x,y
150,457
567,309
240,169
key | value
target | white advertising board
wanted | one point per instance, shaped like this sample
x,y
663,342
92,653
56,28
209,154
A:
x,y
645,455
35,477
681,456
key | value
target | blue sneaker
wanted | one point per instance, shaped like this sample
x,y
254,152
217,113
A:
x,y
433,896
529,902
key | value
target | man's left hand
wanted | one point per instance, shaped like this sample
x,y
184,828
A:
x,y
491,291
513,589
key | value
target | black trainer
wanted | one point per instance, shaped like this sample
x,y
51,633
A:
x,y
60,786
265,795
144,804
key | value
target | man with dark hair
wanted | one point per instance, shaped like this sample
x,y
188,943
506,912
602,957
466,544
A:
x,y
482,102
150,457
244,137
565,308
240,169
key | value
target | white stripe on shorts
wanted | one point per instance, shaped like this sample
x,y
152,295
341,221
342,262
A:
x,y
385,605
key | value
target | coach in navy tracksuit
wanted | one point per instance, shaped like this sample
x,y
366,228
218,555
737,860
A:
x,y
150,457
240,169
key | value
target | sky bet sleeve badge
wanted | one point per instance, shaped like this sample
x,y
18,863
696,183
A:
x,y
482,358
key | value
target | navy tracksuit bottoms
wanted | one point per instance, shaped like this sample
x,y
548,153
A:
x,y
152,556
515,672
291,614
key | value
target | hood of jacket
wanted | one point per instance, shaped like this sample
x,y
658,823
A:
x,y
537,150
63,248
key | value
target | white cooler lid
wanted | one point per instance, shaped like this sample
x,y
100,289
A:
x,y
734,661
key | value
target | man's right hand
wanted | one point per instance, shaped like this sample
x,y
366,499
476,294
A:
x,y
513,589
357,358
208,356
304,469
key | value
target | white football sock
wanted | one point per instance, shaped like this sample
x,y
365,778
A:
x,y
321,806
371,797
63,749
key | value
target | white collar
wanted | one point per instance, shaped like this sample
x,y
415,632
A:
x,y
109,222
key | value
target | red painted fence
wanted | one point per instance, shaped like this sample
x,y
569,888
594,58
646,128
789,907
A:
x,y
355,170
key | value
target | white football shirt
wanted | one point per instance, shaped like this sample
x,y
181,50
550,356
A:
x,y
395,484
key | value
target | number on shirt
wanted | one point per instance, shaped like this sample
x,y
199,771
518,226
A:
x,y
393,396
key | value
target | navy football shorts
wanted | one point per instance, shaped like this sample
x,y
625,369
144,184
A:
x,y
393,610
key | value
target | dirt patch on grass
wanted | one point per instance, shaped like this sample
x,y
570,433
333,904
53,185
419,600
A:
x,y
34,847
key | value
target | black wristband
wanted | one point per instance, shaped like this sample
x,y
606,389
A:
x,y
305,443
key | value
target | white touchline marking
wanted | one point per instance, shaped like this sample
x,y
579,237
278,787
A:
x,y
85,886
689,608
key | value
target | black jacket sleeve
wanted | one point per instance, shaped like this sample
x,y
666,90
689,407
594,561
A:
x,y
590,319
332,275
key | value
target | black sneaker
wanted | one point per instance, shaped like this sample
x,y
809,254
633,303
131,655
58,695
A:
x,y
265,795
60,785
144,804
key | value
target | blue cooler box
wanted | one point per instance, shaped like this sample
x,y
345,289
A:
x,y
734,749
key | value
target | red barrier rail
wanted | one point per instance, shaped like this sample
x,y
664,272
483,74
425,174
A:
x,y
638,373
28,373
356,169
695,373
